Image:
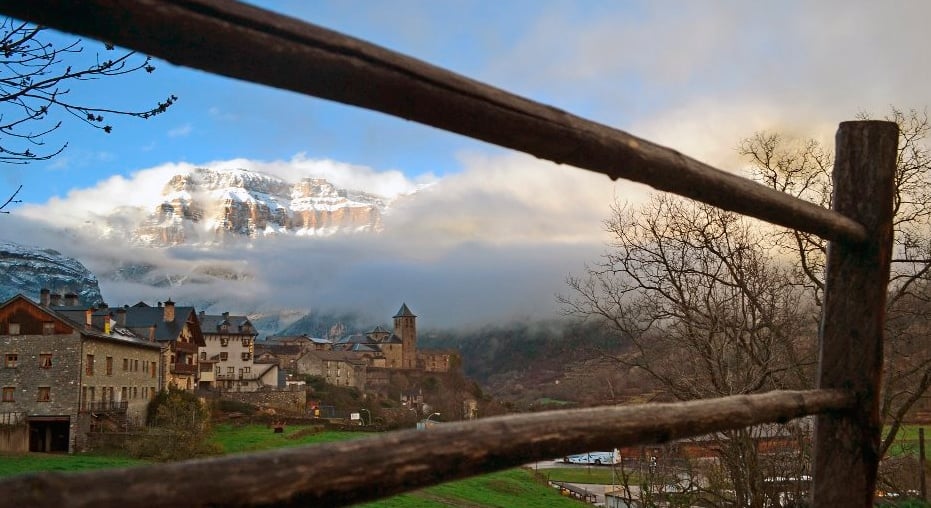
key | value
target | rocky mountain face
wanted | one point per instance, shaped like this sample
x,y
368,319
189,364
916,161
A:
x,y
210,206
26,270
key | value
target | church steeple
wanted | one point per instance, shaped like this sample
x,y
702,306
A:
x,y
405,327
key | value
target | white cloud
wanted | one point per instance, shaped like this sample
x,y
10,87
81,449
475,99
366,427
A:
x,y
180,131
493,242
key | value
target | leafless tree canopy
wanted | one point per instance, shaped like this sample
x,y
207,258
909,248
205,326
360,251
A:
x,y
709,311
802,168
35,80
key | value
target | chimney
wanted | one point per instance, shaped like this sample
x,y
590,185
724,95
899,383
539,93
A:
x,y
89,317
169,311
152,332
226,315
44,297
54,300
71,299
121,317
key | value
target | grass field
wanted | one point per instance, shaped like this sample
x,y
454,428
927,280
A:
x,y
33,462
515,487
250,438
907,441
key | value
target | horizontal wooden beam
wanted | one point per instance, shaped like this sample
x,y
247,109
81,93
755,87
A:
x,y
253,44
349,472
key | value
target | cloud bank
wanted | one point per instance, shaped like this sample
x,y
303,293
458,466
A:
x,y
492,242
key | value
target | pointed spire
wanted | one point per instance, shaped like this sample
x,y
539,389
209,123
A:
x,y
404,312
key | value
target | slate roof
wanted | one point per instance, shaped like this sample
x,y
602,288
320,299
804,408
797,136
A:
x,y
404,312
141,319
338,356
356,338
210,323
364,348
118,334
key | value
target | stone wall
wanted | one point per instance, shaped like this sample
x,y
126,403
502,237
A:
x,y
27,374
291,401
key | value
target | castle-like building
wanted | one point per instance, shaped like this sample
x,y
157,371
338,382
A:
x,y
365,360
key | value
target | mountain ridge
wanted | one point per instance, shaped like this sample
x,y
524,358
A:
x,y
204,206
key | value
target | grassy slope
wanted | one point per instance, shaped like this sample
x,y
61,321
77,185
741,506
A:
x,y
515,487
33,462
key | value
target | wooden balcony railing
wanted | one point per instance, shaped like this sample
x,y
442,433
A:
x,y
104,406
183,368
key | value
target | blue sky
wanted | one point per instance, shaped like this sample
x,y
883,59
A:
x,y
697,76
724,69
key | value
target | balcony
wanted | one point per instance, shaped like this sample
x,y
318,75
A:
x,y
183,368
104,406
237,377
184,347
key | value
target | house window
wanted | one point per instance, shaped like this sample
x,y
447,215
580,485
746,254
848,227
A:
x,y
123,394
89,368
125,364
247,370
231,370
224,341
48,328
224,356
245,356
8,393
246,342
13,328
218,371
135,365
45,360
135,392
44,394
10,360
203,355
109,365
93,397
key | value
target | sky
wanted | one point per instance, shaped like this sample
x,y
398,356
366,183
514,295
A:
x,y
502,229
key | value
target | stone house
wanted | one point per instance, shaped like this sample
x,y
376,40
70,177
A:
x,y
176,328
228,357
366,360
340,368
61,376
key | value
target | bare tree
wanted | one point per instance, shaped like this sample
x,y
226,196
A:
x,y
36,77
802,168
709,311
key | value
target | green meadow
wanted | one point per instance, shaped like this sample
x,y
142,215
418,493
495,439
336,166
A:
x,y
515,487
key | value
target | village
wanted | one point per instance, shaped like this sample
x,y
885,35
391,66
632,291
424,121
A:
x,y
70,370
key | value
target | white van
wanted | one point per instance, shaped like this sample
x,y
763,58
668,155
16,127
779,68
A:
x,y
595,458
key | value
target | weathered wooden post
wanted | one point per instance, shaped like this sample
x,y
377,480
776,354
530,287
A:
x,y
923,489
851,335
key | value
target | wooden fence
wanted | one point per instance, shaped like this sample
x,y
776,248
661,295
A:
x,y
249,43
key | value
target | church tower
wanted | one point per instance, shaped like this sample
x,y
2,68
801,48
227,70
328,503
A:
x,y
405,327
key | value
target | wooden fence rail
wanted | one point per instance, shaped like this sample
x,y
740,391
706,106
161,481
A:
x,y
337,474
249,43
245,42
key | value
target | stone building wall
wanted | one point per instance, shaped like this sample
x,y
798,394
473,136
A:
x,y
121,373
27,375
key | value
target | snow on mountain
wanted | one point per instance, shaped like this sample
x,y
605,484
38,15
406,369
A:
x,y
26,270
209,206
